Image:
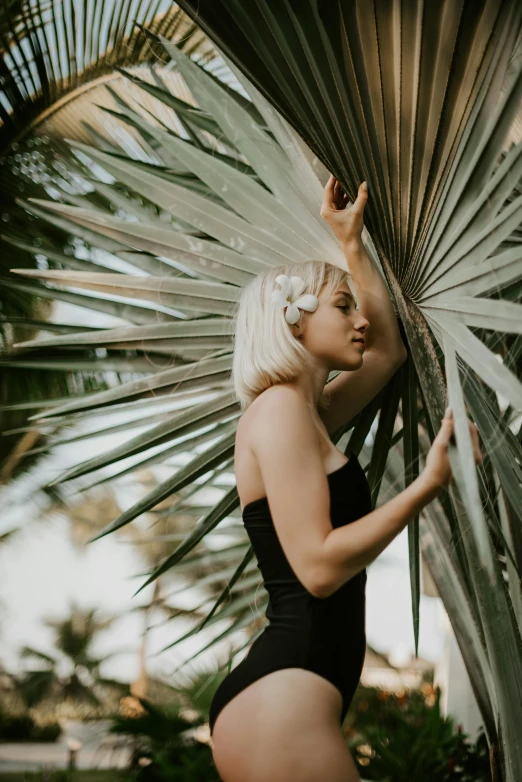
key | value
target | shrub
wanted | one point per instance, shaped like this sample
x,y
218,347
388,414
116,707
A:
x,y
398,738
22,727
163,750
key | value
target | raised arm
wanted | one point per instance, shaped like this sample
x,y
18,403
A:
x,y
347,222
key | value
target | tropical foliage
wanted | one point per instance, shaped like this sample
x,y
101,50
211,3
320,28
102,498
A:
x,y
82,681
49,50
422,101
403,736
57,61
165,747
18,725
199,208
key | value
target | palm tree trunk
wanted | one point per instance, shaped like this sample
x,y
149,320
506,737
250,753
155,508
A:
x,y
139,686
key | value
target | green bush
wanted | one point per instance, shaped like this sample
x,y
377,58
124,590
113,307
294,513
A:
x,y
22,727
400,738
160,737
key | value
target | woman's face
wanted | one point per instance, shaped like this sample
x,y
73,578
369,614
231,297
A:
x,y
330,331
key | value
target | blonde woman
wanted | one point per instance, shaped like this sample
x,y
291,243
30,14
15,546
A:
x,y
306,507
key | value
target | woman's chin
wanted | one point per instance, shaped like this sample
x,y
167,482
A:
x,y
353,363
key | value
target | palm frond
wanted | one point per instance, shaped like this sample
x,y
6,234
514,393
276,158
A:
x,y
415,100
49,50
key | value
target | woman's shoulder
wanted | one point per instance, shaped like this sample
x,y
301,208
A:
x,y
274,412
262,405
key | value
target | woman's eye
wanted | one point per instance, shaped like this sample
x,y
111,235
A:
x,y
345,309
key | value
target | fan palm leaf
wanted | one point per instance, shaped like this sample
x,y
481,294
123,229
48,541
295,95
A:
x,y
429,151
56,58
50,49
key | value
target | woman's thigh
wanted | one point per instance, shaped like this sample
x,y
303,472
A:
x,y
284,727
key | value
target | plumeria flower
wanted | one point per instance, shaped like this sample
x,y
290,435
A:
x,y
290,297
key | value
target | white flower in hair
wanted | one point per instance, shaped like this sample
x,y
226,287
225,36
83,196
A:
x,y
289,296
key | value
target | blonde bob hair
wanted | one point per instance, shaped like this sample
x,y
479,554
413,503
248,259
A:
x,y
266,351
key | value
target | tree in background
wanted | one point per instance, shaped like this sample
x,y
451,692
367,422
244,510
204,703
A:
x,y
73,641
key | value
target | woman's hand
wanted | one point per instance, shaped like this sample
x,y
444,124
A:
x,y
438,468
347,224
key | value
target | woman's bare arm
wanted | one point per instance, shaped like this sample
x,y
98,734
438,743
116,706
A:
x,y
286,445
348,550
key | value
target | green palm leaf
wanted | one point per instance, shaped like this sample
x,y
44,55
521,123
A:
x,y
425,217
49,49
57,58
431,136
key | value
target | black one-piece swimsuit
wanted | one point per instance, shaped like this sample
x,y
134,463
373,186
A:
x,y
323,635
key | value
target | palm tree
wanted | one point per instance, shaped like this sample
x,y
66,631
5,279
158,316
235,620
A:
x,y
73,640
202,207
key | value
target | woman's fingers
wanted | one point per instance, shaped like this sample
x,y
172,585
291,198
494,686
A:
x,y
334,192
329,193
475,442
360,201
446,430
446,434
338,197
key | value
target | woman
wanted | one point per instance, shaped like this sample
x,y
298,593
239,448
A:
x,y
307,508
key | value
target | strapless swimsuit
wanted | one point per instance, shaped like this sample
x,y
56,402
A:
x,y
323,635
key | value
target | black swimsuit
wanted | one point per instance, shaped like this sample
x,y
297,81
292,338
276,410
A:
x,y
326,636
